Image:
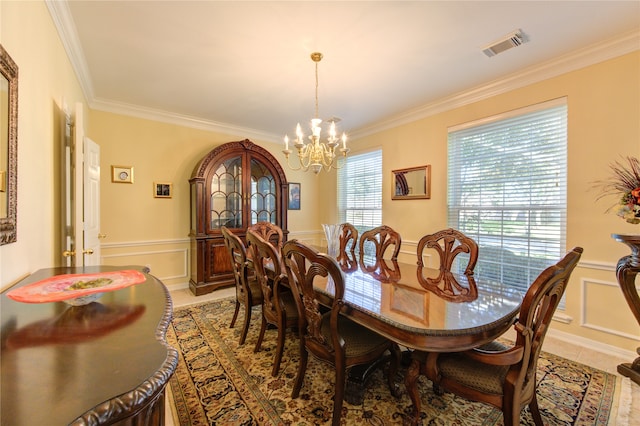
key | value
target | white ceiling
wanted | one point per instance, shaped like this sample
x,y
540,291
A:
x,y
244,66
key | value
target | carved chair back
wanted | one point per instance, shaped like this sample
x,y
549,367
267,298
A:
x,y
248,293
374,244
304,265
449,244
348,244
238,254
270,232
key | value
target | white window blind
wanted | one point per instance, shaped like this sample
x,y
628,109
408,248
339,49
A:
x,y
360,190
507,185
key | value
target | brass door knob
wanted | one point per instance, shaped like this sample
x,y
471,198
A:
x,y
68,253
87,251
101,236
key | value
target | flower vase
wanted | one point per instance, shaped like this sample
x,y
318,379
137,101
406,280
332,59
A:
x,y
332,233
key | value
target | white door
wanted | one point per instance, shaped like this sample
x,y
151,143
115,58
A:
x,y
91,195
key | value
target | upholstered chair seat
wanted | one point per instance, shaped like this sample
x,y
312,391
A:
x,y
360,340
485,378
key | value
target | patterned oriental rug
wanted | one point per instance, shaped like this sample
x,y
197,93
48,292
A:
x,y
218,382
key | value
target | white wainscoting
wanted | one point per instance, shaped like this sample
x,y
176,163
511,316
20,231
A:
x,y
608,317
168,260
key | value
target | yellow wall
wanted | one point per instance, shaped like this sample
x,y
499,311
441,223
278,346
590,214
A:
x,y
604,124
152,231
46,80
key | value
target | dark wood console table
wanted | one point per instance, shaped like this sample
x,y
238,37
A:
x,y
103,363
628,268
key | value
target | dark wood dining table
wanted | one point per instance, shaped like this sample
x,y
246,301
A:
x,y
424,309
105,362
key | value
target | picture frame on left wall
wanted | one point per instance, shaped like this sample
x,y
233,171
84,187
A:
x,y
162,189
122,174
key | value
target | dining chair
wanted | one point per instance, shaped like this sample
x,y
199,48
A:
x,y
248,291
278,307
504,375
347,251
329,335
270,232
380,239
449,244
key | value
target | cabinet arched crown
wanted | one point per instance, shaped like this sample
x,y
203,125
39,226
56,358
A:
x,y
235,185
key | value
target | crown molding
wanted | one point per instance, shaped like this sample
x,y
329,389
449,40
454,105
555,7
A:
x,y
61,16
599,52
180,120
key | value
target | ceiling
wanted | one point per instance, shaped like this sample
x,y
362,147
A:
x,y
244,67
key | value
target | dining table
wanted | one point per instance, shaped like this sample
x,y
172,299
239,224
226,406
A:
x,y
422,309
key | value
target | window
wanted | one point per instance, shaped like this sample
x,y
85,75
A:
x,y
507,179
360,190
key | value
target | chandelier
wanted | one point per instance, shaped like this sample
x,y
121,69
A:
x,y
315,155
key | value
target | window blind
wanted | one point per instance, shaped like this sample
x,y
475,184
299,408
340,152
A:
x,y
360,190
507,186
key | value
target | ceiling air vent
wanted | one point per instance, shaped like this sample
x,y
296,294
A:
x,y
513,39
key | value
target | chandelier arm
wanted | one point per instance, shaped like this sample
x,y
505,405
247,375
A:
x,y
304,157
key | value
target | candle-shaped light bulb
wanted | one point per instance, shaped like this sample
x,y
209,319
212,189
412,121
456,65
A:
x,y
344,141
286,142
299,133
332,130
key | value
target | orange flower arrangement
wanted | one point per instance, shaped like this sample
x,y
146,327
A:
x,y
625,182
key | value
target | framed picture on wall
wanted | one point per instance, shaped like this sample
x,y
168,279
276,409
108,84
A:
x,y
162,189
122,174
294,196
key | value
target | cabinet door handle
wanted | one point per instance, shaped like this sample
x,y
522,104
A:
x,y
101,236
87,251
68,253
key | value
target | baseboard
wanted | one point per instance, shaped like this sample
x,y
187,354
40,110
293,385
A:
x,y
592,345
177,286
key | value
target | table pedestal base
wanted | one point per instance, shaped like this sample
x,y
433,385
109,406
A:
x,y
359,375
357,380
632,370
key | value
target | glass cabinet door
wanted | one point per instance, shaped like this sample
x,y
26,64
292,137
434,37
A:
x,y
263,194
226,195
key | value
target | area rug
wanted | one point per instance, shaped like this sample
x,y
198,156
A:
x,y
218,382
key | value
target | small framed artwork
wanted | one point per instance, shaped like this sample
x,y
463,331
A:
x,y
122,174
162,189
294,196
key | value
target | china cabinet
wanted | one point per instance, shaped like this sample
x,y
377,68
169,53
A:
x,y
235,185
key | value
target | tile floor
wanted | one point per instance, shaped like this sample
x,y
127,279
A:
x,y
627,392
